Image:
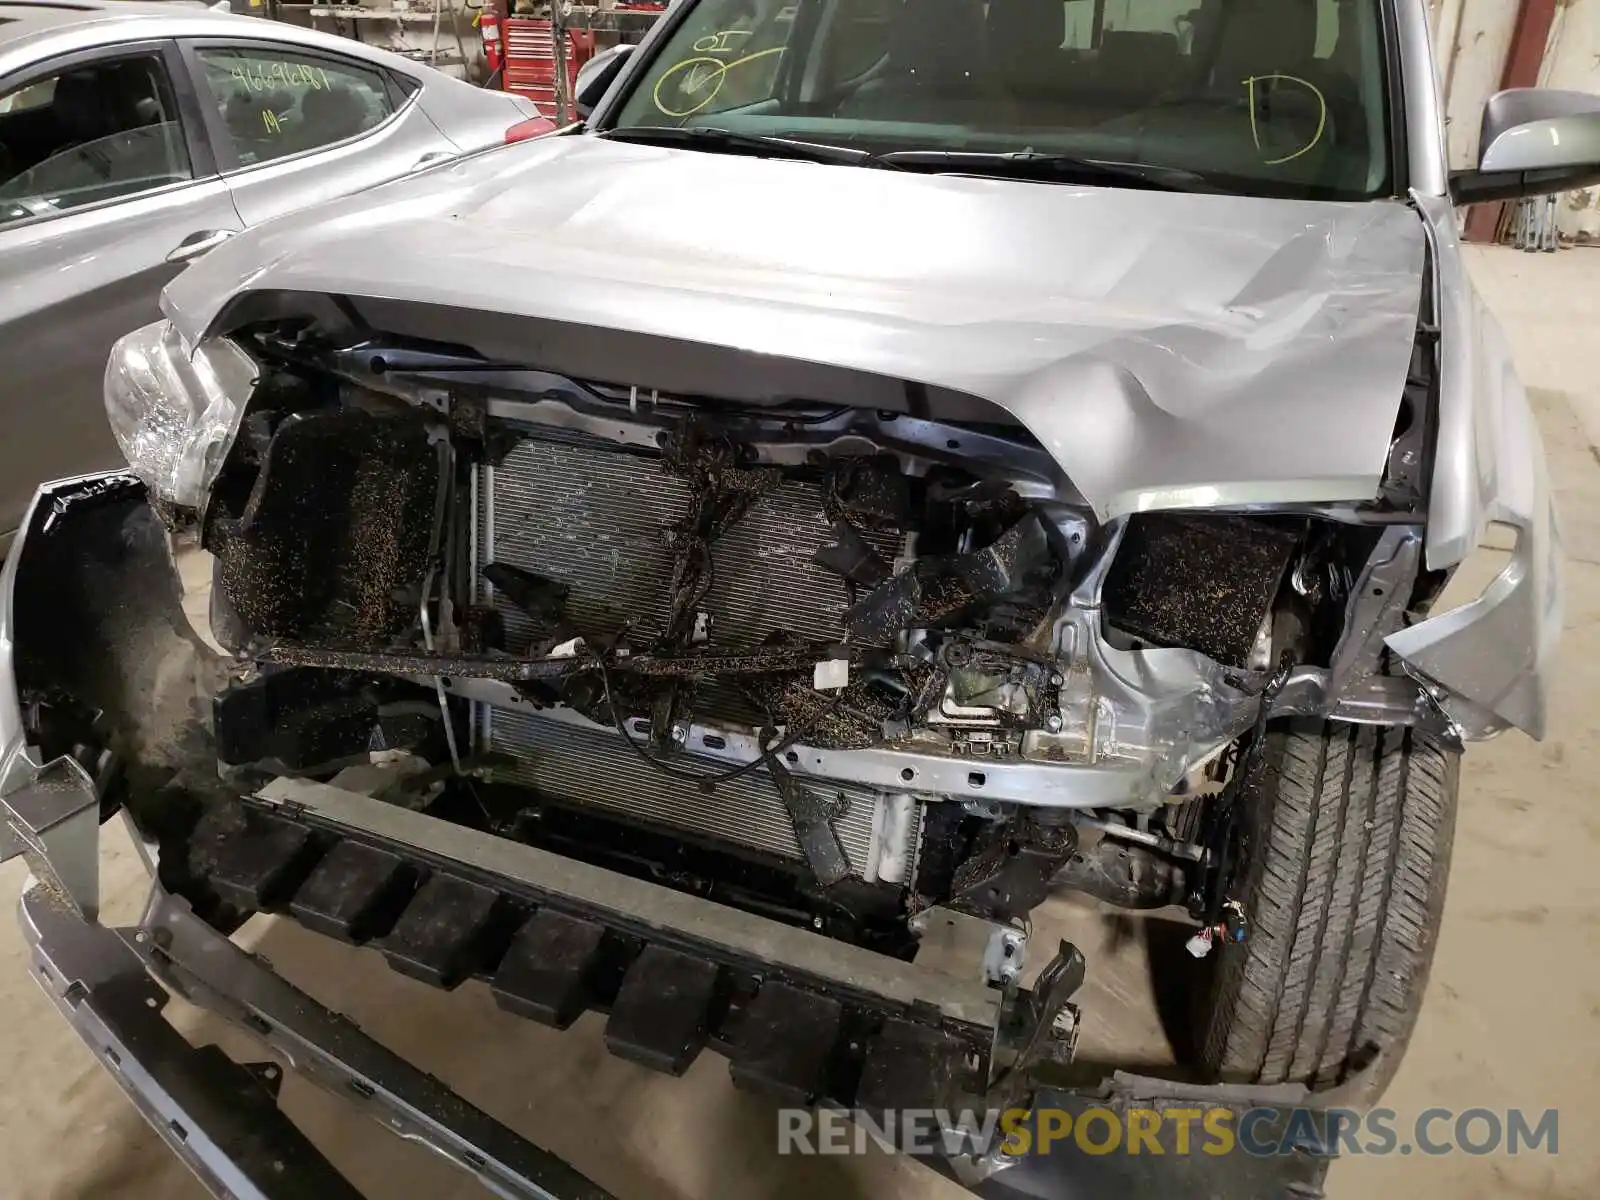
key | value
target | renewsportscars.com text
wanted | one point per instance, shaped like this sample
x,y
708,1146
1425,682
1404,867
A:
x,y
1172,1130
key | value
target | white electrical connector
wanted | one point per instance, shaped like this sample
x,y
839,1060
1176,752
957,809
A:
x,y
831,674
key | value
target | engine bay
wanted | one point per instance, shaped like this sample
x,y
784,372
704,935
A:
x,y
818,661
687,581
832,663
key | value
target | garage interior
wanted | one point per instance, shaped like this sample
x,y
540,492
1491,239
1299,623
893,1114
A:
x,y
1513,1004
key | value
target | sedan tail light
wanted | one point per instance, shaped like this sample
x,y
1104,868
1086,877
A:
x,y
531,128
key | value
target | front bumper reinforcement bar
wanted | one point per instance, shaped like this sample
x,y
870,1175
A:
x,y
222,1118
219,1117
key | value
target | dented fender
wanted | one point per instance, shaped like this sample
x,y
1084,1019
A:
x,y
1489,661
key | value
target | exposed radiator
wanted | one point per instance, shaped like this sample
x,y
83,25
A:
x,y
592,518
592,767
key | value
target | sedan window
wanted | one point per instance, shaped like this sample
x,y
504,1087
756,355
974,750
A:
x,y
96,132
274,103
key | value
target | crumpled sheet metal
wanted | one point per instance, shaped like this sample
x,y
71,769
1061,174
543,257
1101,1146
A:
x,y
1169,350
1489,662
1166,710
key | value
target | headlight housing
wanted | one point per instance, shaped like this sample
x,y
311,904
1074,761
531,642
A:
x,y
174,411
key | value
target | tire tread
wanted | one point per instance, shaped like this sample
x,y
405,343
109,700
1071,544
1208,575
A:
x,y
1347,846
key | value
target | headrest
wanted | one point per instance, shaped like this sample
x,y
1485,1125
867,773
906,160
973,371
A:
x,y
1247,38
1025,41
939,42
78,104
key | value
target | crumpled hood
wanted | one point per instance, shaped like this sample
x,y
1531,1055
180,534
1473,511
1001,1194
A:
x,y
1170,350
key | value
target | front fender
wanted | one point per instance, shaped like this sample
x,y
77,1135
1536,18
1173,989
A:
x,y
1489,660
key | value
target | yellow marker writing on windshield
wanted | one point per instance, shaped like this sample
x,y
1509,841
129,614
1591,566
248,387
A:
x,y
1322,114
720,42
702,73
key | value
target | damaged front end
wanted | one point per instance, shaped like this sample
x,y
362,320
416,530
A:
x,y
117,703
613,698
832,663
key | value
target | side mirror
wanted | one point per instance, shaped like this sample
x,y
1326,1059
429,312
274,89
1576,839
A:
x,y
1535,141
595,76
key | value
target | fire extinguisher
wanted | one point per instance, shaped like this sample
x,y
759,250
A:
x,y
493,51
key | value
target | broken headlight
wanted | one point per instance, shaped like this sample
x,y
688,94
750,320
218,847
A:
x,y
174,410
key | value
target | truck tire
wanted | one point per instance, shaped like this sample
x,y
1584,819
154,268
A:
x,y
1344,849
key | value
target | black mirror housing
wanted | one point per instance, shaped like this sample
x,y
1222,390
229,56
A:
x,y
1481,187
596,76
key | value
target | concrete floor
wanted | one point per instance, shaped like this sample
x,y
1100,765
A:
x,y
1512,1016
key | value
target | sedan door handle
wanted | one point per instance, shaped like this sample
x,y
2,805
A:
x,y
431,157
197,244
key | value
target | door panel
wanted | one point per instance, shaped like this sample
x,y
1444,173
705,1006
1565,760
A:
x,y
74,284
88,216
294,128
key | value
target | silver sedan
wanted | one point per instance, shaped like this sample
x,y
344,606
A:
x,y
134,138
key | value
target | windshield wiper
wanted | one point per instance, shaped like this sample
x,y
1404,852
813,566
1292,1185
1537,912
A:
x,y
705,137
1030,164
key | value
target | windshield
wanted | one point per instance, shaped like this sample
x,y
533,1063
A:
x,y
1266,97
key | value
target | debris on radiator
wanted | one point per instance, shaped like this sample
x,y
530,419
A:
x,y
936,638
325,560
935,646
336,531
1203,582
932,653
849,600
937,591
637,645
